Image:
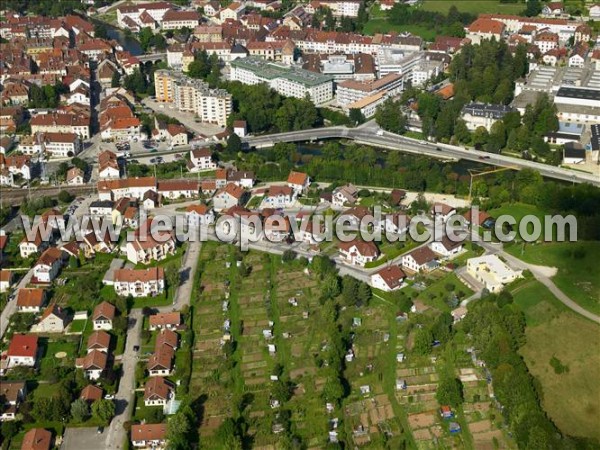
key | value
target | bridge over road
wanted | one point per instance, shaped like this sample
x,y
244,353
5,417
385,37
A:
x,y
154,57
376,138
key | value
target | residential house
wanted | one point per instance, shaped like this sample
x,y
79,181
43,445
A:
x,y
103,316
37,439
139,282
553,9
344,195
299,182
280,197
242,178
93,364
478,115
22,351
48,265
166,337
12,393
447,247
6,279
240,128
98,341
199,215
396,223
74,176
229,196
53,320
277,228
421,259
157,392
388,279
91,393
149,436
169,321
102,208
595,11
358,252
485,29
201,159
442,212
482,218
176,19
108,166
161,362
174,189
30,300
149,247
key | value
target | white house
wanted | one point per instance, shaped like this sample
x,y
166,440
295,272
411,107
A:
x,y
280,197
201,159
442,212
144,251
396,223
75,176
446,247
421,259
230,195
103,316
358,252
22,351
344,195
6,278
157,392
93,364
198,215
299,182
390,278
149,436
139,282
160,363
48,265
170,321
595,11
54,320
241,178
30,300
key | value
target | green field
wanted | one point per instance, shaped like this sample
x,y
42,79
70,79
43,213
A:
x,y
571,398
473,7
578,272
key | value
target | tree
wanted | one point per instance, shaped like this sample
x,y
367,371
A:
x,y
389,117
330,286
65,197
200,67
480,137
173,277
364,293
288,256
103,410
42,408
461,131
449,392
116,79
234,144
356,116
349,290
9,429
80,410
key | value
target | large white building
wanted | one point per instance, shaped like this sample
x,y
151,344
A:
x,y
351,91
211,105
492,272
481,115
288,81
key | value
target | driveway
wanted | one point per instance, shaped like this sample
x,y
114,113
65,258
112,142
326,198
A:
x,y
115,434
82,438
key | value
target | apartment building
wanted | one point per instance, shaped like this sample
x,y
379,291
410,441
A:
x,y
174,20
61,123
139,282
211,105
288,81
350,91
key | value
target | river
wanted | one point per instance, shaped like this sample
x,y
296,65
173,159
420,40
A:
x,y
128,43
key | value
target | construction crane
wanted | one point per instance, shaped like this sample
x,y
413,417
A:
x,y
479,173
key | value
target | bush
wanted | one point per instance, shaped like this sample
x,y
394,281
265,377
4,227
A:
x,y
65,197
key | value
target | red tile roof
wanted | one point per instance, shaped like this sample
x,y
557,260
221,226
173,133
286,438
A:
x,y
23,345
30,297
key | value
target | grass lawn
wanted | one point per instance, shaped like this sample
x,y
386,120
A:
x,y
49,359
578,272
383,26
571,398
255,201
518,211
488,6
392,250
77,326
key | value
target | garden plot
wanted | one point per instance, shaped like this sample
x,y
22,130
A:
x,y
209,377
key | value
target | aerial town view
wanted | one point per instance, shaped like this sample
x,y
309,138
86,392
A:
x,y
299,224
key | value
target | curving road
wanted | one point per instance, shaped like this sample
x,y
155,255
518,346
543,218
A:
x,y
375,137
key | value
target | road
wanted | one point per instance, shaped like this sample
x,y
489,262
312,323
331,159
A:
x,y
369,135
541,274
11,306
124,399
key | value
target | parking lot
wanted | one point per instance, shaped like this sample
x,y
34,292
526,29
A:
x,y
83,438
